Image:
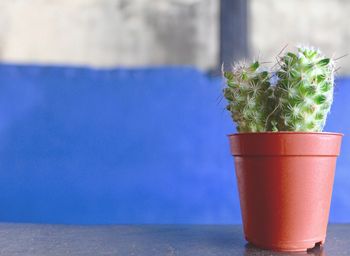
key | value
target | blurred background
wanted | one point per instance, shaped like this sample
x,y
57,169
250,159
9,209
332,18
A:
x,y
111,110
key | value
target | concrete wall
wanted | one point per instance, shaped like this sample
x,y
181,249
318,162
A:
x,y
106,33
110,32
323,23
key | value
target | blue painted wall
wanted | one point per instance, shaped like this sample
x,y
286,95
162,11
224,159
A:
x,y
149,145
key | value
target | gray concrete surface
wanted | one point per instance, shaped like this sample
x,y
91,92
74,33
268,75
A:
x,y
322,23
153,240
106,33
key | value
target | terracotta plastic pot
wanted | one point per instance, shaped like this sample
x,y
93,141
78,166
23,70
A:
x,y
285,182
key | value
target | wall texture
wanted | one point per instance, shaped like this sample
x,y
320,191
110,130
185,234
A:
x,y
110,32
105,33
94,146
274,24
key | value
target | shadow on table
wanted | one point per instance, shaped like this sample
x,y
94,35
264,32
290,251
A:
x,y
253,250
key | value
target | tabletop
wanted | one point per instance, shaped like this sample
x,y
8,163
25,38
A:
x,y
168,240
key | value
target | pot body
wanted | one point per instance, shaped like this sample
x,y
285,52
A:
x,y
285,182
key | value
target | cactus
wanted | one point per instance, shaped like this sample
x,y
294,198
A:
x,y
247,92
304,90
300,100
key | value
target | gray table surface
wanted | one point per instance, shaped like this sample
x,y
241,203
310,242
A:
x,y
49,240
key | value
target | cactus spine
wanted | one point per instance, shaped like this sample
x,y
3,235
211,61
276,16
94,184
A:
x,y
300,100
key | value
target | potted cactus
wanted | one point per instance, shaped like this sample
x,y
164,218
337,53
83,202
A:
x,y
284,162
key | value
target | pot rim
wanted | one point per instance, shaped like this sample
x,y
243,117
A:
x,y
286,132
285,143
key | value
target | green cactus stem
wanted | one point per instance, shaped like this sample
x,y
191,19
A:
x,y
300,99
247,92
304,90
